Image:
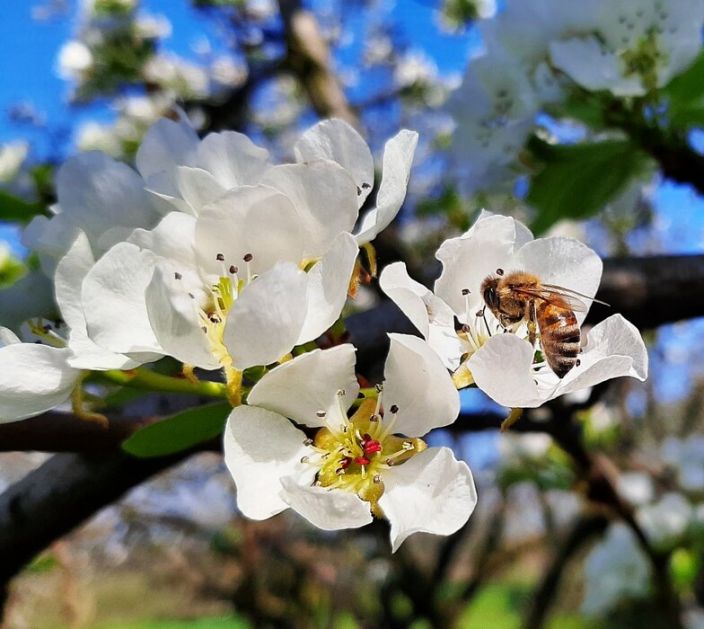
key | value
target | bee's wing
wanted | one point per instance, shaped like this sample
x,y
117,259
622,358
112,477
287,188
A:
x,y
568,291
558,297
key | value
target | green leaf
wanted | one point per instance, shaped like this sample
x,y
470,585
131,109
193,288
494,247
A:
x,y
685,96
13,208
578,180
178,432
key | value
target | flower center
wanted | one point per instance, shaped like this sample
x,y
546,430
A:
x,y
353,453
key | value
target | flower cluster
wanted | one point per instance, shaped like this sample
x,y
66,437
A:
x,y
550,50
213,255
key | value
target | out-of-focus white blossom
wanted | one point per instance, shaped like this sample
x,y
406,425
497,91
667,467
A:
x,y
666,520
615,569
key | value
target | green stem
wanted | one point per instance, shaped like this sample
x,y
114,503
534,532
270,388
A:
x,y
145,379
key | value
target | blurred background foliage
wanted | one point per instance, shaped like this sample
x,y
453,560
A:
x,y
623,174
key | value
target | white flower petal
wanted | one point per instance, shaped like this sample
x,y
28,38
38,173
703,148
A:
x,y
113,297
469,259
166,145
33,379
564,262
301,387
398,158
254,220
265,321
324,196
197,187
98,193
172,238
232,158
8,337
327,509
173,315
328,284
68,280
418,383
261,447
338,141
502,368
614,349
432,317
30,296
432,493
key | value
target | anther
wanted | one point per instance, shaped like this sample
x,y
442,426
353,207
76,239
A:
x,y
320,414
204,330
233,269
499,271
340,392
308,442
377,479
578,363
248,257
305,459
177,276
379,387
393,409
220,257
480,313
465,291
191,295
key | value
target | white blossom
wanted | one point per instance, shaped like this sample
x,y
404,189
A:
x,y
614,569
372,463
457,324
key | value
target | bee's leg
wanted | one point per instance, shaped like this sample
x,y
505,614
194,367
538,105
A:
x,y
532,326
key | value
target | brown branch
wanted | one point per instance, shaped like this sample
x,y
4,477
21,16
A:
x,y
309,60
59,495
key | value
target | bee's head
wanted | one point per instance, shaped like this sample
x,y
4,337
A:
x,y
489,292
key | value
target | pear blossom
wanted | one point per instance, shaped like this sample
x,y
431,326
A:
x,y
614,569
632,47
464,332
224,290
667,520
331,179
34,378
350,469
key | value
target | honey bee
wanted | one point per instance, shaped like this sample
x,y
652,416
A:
x,y
518,296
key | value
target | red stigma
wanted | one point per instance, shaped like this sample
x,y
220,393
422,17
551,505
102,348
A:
x,y
369,445
361,460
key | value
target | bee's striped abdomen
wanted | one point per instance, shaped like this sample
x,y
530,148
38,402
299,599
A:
x,y
559,336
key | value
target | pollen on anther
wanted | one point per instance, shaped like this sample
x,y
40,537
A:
x,y
248,257
393,409
220,257
377,479
177,276
465,291
499,271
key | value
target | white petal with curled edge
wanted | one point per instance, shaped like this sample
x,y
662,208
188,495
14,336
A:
x,y
33,379
261,447
173,315
398,158
8,337
265,322
432,317
197,187
328,509
256,220
614,349
502,368
172,238
97,193
113,295
324,196
564,262
301,387
166,145
336,140
328,284
68,280
418,383
431,493
232,158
